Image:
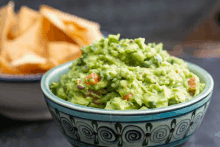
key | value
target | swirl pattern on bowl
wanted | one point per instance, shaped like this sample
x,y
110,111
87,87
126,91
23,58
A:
x,y
112,134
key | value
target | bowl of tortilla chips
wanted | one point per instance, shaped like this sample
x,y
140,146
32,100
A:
x,y
31,43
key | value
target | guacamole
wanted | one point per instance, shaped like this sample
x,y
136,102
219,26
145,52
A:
x,y
127,74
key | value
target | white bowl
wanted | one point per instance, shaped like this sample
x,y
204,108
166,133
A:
x,y
21,97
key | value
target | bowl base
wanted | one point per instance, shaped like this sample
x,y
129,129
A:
x,y
178,143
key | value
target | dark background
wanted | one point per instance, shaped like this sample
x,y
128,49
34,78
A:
x,y
172,22
175,23
155,20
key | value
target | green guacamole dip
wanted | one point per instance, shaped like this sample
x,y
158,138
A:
x,y
127,74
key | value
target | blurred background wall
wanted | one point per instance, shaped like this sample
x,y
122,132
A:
x,y
155,20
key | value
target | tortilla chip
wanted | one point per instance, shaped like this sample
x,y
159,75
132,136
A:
x,y
52,33
29,58
27,17
7,22
30,41
14,29
31,69
63,51
32,63
6,67
48,65
73,57
34,43
3,14
82,31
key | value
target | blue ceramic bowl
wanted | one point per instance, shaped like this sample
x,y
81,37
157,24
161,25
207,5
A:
x,y
88,127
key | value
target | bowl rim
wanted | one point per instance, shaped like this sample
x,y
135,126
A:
x,y
49,74
20,77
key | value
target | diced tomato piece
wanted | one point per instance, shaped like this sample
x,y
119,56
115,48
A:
x,y
192,82
95,77
192,85
79,81
128,96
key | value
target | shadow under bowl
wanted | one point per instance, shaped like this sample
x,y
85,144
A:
x,y
169,126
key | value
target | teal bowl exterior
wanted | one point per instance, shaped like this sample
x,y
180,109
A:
x,y
89,127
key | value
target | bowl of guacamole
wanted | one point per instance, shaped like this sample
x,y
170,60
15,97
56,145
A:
x,y
127,74
125,92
